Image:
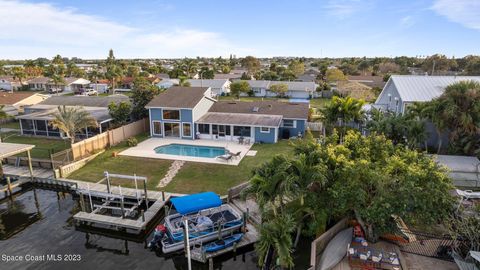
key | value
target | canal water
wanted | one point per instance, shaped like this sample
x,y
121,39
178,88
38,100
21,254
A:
x,y
37,232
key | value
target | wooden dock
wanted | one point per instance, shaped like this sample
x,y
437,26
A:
x,y
249,238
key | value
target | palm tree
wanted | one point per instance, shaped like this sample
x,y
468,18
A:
x,y
434,112
183,81
343,111
276,233
57,79
19,74
190,67
71,120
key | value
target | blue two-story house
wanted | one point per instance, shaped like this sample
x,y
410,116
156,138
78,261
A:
x,y
190,113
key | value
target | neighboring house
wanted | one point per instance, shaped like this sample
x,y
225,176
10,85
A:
x,y
231,77
302,90
190,113
87,67
39,83
70,84
36,120
218,87
99,87
403,90
8,83
167,83
306,78
259,87
371,81
14,102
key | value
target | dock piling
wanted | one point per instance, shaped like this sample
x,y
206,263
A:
x,y
9,186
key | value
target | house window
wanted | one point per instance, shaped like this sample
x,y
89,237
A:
x,y
264,130
187,130
289,123
241,131
204,128
171,114
157,128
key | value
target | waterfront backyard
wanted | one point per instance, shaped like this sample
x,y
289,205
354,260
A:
x,y
193,176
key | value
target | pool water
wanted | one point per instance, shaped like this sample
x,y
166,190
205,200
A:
x,y
190,150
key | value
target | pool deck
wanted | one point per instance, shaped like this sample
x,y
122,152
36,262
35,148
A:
x,y
146,149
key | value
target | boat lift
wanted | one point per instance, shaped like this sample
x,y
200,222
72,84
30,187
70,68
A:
x,y
111,200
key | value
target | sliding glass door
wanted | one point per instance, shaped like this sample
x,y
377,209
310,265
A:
x,y
171,129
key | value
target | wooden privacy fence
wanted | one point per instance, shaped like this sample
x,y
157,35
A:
x,y
109,138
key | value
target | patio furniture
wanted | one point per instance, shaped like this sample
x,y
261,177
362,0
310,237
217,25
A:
x,y
247,142
226,157
235,154
240,140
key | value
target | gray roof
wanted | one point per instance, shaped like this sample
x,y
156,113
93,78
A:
x,y
84,101
178,97
267,107
241,119
42,80
208,83
297,86
258,83
413,88
98,113
219,76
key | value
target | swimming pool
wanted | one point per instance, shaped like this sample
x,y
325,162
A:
x,y
190,150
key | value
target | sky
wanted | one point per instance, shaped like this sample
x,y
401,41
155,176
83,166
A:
x,y
212,28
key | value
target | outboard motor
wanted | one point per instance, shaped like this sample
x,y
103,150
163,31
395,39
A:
x,y
160,231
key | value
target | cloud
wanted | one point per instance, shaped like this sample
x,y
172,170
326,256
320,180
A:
x,y
464,12
407,22
30,30
342,9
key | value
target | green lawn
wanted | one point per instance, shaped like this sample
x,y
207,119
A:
x,y
13,125
197,177
153,169
314,102
42,145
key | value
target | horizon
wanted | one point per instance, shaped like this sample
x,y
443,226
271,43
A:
x,y
177,29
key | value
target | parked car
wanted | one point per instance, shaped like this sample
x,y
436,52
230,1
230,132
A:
x,y
55,90
86,92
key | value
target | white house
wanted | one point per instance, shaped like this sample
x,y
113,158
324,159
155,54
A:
x,y
218,87
403,90
8,83
301,90
39,83
167,83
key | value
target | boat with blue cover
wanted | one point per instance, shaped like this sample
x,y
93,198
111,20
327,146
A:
x,y
222,243
207,219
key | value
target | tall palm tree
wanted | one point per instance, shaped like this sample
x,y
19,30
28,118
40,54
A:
x,y
57,79
190,67
343,111
71,120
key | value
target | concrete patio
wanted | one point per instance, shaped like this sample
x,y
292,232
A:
x,y
146,149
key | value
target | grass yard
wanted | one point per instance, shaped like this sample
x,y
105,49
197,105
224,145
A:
x,y
197,177
153,169
42,145
12,125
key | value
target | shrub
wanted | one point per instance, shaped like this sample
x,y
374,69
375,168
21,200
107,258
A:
x,y
132,141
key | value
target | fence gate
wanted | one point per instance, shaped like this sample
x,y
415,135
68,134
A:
x,y
427,244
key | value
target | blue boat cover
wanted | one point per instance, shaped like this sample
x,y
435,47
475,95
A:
x,y
196,202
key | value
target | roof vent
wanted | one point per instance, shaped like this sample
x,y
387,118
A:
x,y
255,109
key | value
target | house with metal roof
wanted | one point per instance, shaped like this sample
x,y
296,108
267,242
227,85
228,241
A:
x,y
191,113
403,90
219,87
37,118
